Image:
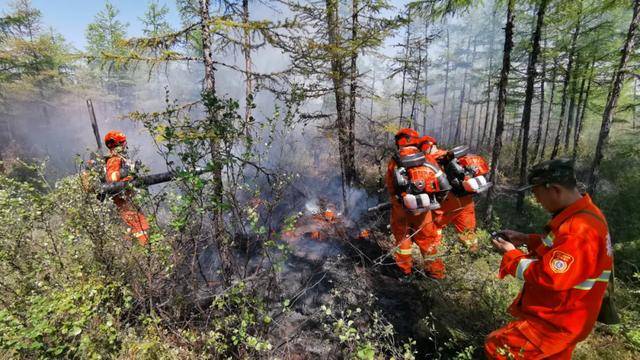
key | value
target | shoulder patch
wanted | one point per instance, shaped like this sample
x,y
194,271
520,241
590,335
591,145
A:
x,y
560,262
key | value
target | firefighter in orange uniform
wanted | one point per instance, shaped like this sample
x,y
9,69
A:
x,y
119,168
565,271
457,207
410,217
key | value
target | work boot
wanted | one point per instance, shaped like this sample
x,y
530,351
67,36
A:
x,y
434,269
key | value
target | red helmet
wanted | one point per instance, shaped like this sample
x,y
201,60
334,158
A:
x,y
407,136
114,138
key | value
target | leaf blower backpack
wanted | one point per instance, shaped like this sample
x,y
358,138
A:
x,y
417,180
465,172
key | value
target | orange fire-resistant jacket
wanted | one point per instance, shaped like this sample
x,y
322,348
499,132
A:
x,y
565,275
135,220
408,228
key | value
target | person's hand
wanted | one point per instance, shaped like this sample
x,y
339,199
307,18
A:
x,y
515,237
502,245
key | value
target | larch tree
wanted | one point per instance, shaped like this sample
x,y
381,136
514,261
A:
x,y
614,94
528,97
107,35
324,51
214,131
502,101
567,82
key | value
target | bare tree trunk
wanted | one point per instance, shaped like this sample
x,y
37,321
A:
x,y
464,84
612,98
473,123
516,152
580,121
446,85
572,103
426,73
576,121
492,129
502,101
481,115
415,92
565,88
466,123
635,101
351,174
553,92
373,93
528,98
543,79
215,147
405,66
247,66
489,74
338,79
452,123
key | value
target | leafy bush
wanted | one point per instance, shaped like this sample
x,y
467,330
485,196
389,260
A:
x,y
80,320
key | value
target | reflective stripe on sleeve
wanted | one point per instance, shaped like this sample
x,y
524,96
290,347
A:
x,y
588,284
604,277
404,251
522,266
585,285
114,176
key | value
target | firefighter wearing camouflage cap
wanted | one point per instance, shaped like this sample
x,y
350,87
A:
x,y
565,270
556,171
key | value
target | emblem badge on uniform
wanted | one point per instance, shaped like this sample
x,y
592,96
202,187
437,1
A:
x,y
560,262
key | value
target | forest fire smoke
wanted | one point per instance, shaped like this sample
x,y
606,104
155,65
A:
x,y
319,223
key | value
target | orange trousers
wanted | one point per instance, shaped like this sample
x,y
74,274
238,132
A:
x,y
407,229
135,220
459,211
510,342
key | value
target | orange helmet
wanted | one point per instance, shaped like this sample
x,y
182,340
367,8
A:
x,y
407,136
114,138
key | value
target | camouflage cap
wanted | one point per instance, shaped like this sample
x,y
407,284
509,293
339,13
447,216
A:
x,y
551,171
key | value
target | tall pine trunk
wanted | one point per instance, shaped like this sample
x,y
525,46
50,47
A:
x,y
492,128
528,98
473,123
565,89
338,79
543,79
456,138
415,91
580,121
579,105
247,64
426,73
612,98
215,147
489,74
405,66
446,86
572,105
502,101
351,175
550,108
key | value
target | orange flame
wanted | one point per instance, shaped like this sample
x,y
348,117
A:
x,y
364,234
